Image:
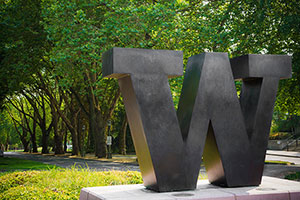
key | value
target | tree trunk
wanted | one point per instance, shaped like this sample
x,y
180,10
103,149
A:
x,y
100,144
24,141
25,145
45,131
58,138
45,136
6,144
79,134
65,141
6,147
45,139
58,142
33,142
33,136
74,134
122,139
96,124
64,134
92,124
96,131
75,149
97,120
91,135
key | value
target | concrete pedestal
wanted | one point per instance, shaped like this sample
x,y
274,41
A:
x,y
270,189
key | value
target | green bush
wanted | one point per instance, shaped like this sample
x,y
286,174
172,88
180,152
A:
x,y
15,179
279,135
60,183
295,176
32,192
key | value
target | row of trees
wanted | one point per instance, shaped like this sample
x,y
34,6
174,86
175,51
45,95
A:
x,y
52,89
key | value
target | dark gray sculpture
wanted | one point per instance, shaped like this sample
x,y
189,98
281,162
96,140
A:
x,y
231,134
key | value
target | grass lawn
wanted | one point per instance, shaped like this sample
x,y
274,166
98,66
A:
x,y
13,164
22,150
278,162
17,150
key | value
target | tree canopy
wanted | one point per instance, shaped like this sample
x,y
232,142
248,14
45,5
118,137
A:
x,y
52,89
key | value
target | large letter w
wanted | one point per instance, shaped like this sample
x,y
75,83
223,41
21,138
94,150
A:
x,y
230,133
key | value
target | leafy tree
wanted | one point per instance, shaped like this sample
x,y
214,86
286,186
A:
x,y
22,44
50,54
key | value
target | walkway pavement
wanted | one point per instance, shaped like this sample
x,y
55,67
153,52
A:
x,y
287,156
293,154
66,162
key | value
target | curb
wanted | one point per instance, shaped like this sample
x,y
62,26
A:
x,y
273,154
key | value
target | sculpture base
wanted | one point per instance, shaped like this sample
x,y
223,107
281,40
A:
x,y
271,188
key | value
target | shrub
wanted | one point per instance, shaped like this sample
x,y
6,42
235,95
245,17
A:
x,y
32,192
60,183
294,176
16,179
279,136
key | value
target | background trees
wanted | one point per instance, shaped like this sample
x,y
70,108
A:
x,y
52,89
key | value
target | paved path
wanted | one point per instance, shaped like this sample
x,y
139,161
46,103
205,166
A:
x,y
283,158
287,156
66,162
272,170
292,154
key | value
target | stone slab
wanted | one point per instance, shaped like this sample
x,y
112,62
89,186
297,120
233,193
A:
x,y
270,189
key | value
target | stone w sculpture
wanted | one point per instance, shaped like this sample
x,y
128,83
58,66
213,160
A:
x,y
230,133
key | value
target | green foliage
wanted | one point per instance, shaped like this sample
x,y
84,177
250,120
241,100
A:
x,y
8,134
60,184
16,179
287,123
64,40
279,135
5,128
81,31
22,44
28,193
294,176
